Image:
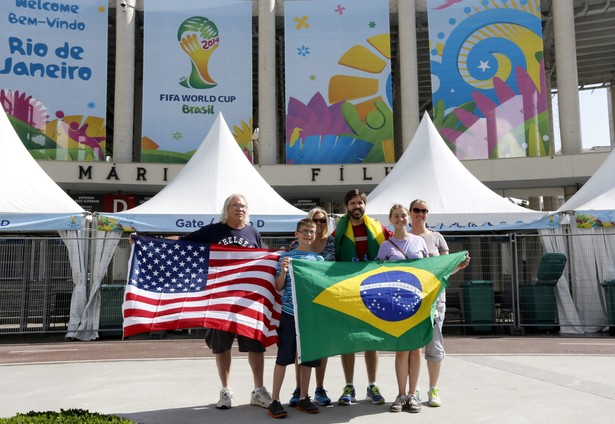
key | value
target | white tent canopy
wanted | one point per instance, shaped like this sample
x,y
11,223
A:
x,y
457,200
592,249
30,201
196,195
598,193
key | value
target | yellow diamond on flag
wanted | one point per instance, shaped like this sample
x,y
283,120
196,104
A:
x,y
393,299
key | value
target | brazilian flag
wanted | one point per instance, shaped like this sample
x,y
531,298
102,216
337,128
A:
x,y
345,307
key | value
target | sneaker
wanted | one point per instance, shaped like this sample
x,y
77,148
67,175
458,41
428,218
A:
x,y
276,410
307,406
399,404
260,397
417,394
373,393
294,400
414,405
320,396
226,398
434,397
348,396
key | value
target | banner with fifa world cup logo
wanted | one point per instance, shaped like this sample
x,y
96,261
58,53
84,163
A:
x,y
53,76
339,101
197,62
488,78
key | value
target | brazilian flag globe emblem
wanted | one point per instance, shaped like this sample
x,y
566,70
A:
x,y
344,307
390,299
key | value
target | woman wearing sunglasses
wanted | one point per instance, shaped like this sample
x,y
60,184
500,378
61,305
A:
x,y
436,246
324,245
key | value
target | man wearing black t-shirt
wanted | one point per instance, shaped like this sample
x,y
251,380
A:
x,y
234,230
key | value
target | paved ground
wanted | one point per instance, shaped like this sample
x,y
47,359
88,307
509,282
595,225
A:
x,y
174,380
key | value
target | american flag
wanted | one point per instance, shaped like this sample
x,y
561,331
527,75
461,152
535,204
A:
x,y
175,284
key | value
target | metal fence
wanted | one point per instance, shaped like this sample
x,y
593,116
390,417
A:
x,y
35,285
501,290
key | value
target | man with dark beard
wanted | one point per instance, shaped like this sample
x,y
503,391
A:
x,y
358,238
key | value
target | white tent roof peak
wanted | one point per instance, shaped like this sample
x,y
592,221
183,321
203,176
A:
x,y
598,193
29,199
429,170
24,185
217,169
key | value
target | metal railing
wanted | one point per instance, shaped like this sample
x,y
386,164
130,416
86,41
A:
x,y
498,292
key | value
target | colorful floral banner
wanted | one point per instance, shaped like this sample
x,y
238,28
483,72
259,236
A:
x,y
338,82
197,62
595,219
53,76
488,79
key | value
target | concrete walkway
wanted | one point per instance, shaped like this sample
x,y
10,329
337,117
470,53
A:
x,y
475,388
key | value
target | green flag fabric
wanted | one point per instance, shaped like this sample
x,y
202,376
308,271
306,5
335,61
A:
x,y
345,245
345,307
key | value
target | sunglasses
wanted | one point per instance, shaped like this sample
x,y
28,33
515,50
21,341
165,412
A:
x,y
417,210
320,221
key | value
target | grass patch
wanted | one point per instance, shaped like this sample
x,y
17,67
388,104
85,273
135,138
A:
x,y
65,416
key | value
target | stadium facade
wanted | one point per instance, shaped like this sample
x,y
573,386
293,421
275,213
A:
x,y
579,53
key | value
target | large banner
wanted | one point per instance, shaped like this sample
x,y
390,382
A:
x,y
197,61
338,82
488,79
595,218
53,75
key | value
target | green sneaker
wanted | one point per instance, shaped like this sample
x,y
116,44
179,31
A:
x,y
434,397
373,393
348,395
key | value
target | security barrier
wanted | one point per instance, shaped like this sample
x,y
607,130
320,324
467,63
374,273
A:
x,y
609,289
36,284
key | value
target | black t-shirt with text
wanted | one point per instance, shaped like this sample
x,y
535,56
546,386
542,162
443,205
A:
x,y
223,234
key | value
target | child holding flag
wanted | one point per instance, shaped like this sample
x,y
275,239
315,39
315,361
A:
x,y
287,340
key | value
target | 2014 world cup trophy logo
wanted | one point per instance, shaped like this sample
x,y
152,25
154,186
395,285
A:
x,y
198,38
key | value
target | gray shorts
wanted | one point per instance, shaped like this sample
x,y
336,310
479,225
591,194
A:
x,y
434,351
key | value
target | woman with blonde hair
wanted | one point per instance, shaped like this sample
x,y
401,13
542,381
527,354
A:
x,y
324,244
402,246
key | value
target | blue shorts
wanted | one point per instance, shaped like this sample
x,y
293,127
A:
x,y
287,343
